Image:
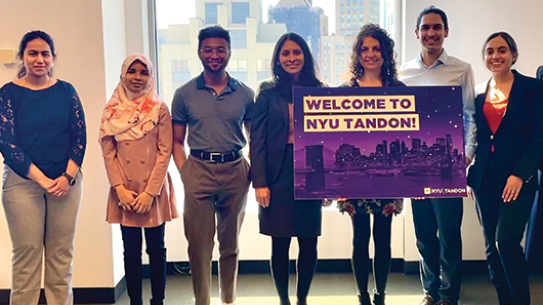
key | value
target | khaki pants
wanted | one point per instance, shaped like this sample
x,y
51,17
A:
x,y
214,190
38,223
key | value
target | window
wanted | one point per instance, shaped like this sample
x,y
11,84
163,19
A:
x,y
211,13
263,64
181,77
237,65
242,65
251,53
240,12
263,75
182,65
242,76
238,39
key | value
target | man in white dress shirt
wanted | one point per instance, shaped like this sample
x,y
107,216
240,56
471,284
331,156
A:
x,y
441,254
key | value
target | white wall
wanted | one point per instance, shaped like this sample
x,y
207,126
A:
x,y
78,30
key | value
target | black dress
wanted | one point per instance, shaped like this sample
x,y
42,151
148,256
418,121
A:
x,y
272,160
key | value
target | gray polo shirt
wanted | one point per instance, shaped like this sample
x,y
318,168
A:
x,y
215,122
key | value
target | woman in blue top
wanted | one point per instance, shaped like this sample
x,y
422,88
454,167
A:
x,y
43,140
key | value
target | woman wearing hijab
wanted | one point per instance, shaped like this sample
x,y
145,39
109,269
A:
x,y
136,140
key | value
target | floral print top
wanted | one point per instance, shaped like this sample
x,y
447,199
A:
x,y
386,207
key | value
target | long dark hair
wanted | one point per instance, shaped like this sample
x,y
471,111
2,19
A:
x,y
389,73
28,37
308,76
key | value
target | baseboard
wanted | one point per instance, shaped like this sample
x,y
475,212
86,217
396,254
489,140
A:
x,y
324,266
83,295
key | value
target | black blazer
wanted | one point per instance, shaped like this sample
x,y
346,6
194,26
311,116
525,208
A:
x,y
518,141
269,133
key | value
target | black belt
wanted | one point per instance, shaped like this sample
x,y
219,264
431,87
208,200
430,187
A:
x,y
216,157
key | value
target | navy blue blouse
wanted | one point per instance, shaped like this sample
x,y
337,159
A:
x,y
41,127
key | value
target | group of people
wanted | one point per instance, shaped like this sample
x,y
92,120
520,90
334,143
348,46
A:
x,y
43,140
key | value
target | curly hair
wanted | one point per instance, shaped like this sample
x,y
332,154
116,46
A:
x,y
389,73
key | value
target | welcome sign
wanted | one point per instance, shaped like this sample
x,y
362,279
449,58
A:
x,y
389,142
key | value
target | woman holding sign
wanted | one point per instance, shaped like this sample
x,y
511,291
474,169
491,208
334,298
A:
x,y
272,158
503,175
372,65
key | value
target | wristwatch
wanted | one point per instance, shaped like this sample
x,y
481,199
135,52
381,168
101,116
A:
x,y
71,180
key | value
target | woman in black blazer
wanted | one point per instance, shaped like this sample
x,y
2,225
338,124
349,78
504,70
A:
x,y
272,159
503,174
372,65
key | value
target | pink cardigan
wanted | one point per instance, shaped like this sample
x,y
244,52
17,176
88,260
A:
x,y
142,165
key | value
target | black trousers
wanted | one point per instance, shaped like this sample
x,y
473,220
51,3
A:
x,y
503,227
441,255
132,242
381,260
305,266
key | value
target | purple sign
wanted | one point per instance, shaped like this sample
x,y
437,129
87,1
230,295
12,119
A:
x,y
388,142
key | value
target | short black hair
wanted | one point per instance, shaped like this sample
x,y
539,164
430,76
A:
x,y
214,31
510,42
433,10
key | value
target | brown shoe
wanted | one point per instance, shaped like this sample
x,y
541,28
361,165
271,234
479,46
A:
x,y
444,302
428,300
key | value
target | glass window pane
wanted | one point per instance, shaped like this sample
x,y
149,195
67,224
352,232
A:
x,y
240,12
178,22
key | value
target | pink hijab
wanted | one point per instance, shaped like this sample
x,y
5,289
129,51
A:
x,y
130,116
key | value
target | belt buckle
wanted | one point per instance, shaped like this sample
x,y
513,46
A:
x,y
216,154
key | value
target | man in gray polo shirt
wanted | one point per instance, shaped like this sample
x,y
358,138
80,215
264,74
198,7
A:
x,y
215,107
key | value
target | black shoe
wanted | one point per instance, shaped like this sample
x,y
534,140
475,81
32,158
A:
x,y
378,298
364,299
